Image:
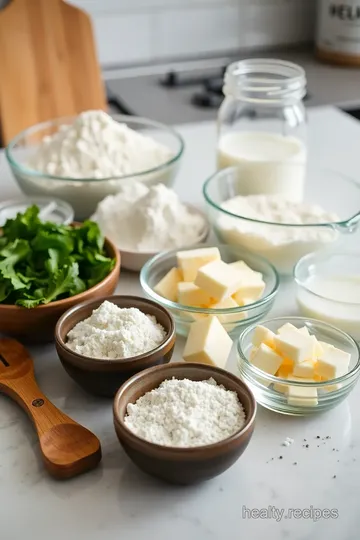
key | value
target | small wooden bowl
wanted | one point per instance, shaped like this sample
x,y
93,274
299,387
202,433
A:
x,y
103,377
37,325
182,465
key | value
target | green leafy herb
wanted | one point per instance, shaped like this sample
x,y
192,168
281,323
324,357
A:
x,y
42,262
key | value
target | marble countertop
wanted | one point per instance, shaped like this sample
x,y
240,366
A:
x,y
119,501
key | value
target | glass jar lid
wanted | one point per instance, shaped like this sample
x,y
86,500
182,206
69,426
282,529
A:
x,y
51,209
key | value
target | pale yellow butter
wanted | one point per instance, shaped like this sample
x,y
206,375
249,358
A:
x,y
296,346
249,288
189,294
231,318
243,267
167,286
208,343
305,369
190,261
266,359
218,279
302,396
263,335
333,363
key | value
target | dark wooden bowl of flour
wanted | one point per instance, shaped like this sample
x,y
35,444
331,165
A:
x,y
103,377
183,465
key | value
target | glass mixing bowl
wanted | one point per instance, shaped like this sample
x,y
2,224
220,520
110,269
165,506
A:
x,y
262,384
283,244
328,288
155,269
85,193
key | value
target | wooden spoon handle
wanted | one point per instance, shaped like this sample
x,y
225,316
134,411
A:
x,y
44,414
67,447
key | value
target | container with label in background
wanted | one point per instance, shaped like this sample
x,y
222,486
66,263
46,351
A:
x,y
262,126
338,31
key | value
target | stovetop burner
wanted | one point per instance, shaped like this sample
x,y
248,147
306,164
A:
x,y
209,95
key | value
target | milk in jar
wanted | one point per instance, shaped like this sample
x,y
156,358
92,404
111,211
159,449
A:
x,y
262,127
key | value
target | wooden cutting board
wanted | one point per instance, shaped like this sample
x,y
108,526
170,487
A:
x,y
48,64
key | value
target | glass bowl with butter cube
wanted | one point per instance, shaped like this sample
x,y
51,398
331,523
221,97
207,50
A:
x,y
298,366
236,286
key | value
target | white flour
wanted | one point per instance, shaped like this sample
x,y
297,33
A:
x,y
96,146
113,332
186,413
148,219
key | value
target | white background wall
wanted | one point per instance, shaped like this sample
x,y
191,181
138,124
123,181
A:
x,y
133,31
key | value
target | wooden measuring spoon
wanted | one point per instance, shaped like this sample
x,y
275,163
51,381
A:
x,y
67,448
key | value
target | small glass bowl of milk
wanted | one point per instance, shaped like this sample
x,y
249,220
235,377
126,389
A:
x,y
262,125
328,289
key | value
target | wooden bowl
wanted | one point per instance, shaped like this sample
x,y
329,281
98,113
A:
x,y
182,465
37,325
103,377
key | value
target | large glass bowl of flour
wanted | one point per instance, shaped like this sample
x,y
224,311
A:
x,y
280,230
85,158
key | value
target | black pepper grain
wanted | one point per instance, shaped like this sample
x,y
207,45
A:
x,y
280,457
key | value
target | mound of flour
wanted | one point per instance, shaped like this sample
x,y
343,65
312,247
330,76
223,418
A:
x,y
96,146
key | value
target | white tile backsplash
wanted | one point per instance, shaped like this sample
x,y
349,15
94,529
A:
x,y
192,32
129,31
123,39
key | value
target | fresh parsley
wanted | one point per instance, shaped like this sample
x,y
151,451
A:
x,y
42,262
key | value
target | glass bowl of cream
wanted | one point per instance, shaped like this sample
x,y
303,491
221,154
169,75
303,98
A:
x,y
328,289
262,218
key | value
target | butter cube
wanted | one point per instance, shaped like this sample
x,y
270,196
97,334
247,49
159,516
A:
x,y
191,295
284,371
304,331
243,267
296,346
305,369
266,359
333,363
218,279
208,343
263,335
302,396
281,387
167,286
287,362
250,288
231,318
190,261
288,326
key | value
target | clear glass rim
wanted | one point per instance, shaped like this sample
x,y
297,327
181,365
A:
x,y
65,120
305,261
267,79
272,378
330,224
208,311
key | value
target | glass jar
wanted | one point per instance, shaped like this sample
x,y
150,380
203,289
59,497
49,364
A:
x,y
262,126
